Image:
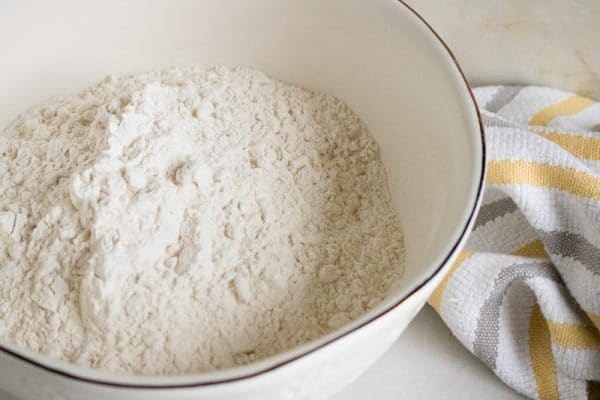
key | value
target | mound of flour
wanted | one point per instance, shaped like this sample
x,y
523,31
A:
x,y
189,220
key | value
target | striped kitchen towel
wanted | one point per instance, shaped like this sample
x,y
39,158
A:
x,y
524,295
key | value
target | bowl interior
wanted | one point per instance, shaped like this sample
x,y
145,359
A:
x,y
375,55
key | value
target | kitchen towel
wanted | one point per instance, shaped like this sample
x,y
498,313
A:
x,y
524,294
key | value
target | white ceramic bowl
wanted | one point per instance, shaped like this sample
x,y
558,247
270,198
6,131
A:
x,y
377,55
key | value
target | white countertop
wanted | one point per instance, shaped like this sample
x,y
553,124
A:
x,y
543,42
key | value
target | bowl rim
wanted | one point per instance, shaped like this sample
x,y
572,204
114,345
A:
x,y
245,376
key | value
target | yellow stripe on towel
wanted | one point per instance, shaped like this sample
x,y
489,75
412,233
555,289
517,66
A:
x,y
570,180
574,336
436,297
542,359
569,106
584,147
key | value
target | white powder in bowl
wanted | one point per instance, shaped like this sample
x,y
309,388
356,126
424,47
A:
x,y
190,220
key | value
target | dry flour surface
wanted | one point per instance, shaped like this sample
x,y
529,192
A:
x,y
189,220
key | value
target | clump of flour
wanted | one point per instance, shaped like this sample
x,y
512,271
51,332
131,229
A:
x,y
190,220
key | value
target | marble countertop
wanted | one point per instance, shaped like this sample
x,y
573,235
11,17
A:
x,y
543,42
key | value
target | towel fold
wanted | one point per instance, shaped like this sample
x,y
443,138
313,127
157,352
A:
x,y
524,294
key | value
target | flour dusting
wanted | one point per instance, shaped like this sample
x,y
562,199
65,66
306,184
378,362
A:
x,y
190,220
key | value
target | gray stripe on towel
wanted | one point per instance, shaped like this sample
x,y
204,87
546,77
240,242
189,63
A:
x,y
487,331
503,96
493,210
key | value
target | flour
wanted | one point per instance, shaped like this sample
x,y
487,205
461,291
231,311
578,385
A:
x,y
190,220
